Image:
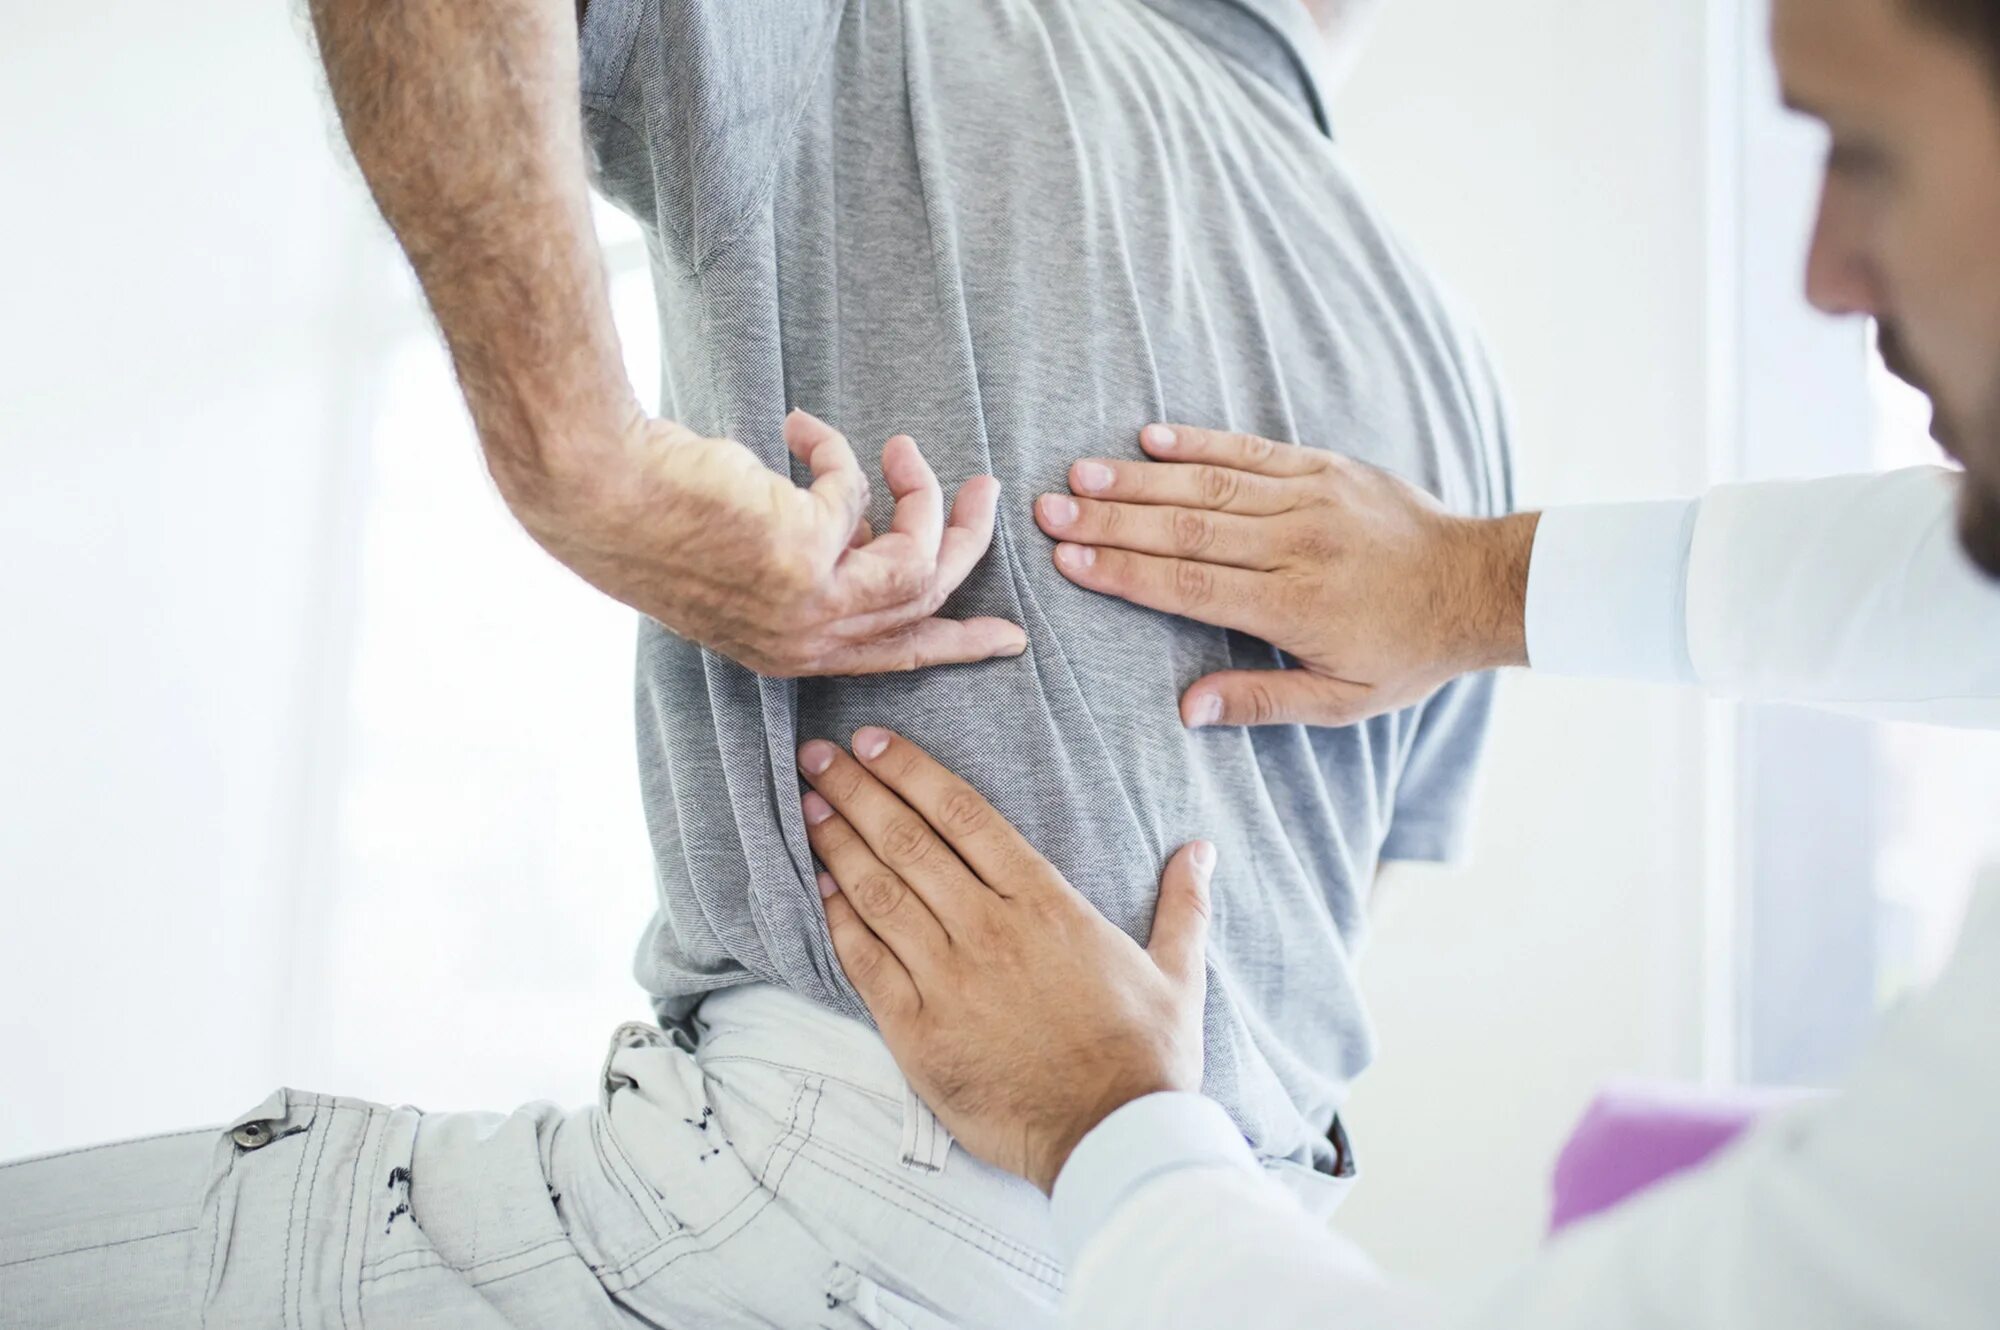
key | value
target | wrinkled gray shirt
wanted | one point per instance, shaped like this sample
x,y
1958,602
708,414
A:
x,y
1019,230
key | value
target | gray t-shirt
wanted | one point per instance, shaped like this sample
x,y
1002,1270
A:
x,y
1019,230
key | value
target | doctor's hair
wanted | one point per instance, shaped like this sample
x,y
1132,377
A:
x,y
1978,21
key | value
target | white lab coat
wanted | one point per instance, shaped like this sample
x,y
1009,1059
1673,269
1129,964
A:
x,y
1878,1207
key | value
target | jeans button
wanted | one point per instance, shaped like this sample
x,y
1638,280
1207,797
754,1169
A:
x,y
252,1135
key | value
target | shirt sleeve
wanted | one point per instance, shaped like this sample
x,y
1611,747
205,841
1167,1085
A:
x,y
1849,593
1607,591
1436,789
1875,1207
689,105
1167,1220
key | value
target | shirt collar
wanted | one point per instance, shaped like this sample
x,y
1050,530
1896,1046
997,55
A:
x,y
1276,38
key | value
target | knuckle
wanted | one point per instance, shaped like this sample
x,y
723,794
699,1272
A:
x,y
1193,531
1259,706
906,839
876,894
1313,543
907,581
1194,583
963,813
1256,448
865,966
1217,485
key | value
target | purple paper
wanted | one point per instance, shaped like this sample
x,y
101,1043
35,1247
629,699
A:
x,y
1633,1136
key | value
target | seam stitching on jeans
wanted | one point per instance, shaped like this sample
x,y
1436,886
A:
x,y
427,1258
802,1071
1008,1259
312,1188
291,1226
762,1191
607,1144
368,1226
918,1194
379,1267
215,1243
95,1246
347,1231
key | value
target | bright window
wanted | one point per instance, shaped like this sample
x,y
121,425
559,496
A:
x,y
488,873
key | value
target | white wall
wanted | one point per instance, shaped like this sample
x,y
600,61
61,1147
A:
x,y
185,335
180,254
1550,158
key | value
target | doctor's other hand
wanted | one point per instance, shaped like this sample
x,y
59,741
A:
x,y
1378,593
785,579
1020,1014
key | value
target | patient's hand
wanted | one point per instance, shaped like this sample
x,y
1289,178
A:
x,y
1015,1009
1377,592
726,552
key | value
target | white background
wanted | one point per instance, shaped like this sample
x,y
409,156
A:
x,y
245,839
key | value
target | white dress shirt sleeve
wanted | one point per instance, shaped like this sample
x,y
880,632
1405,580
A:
x,y
1849,593
1874,1208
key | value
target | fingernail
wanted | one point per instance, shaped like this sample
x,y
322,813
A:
x,y
1092,476
869,743
1058,510
1075,556
827,886
1204,858
1157,437
1207,709
817,810
816,757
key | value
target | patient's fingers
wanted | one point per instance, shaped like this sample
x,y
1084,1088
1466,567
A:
x,y
893,912
871,967
1225,597
1246,452
919,501
970,534
1187,533
853,801
1185,485
927,643
964,542
839,486
986,841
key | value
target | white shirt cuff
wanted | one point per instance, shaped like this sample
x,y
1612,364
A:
x,y
1146,1139
1607,591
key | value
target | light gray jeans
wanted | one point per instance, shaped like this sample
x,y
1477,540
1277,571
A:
x,y
778,1172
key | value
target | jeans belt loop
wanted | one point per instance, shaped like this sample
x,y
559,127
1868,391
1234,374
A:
x,y
925,1141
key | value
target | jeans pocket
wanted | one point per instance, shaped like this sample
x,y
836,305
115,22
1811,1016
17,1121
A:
x,y
878,1307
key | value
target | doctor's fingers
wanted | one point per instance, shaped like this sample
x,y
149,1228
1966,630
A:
x,y
1248,601
882,900
896,834
1185,533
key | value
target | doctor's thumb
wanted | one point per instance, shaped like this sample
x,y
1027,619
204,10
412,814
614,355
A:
x,y
1271,697
1179,944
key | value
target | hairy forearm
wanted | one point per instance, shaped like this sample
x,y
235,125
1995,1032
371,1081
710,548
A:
x,y
464,122
1486,602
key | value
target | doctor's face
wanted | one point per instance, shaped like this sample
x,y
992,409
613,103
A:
x,y
1909,217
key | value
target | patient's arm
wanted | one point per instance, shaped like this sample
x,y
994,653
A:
x,y
465,121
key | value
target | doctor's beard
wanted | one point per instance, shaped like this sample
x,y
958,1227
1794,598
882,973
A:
x,y
1975,443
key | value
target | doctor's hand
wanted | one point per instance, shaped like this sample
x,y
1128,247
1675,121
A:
x,y
1018,1012
786,580
1378,593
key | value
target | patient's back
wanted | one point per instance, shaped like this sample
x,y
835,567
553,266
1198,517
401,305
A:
x,y
1019,230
